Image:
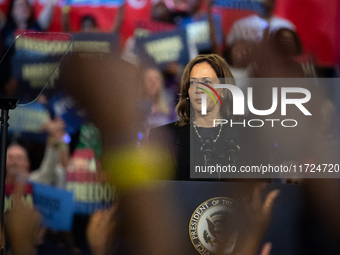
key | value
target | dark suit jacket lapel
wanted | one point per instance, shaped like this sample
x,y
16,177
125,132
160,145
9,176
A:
x,y
183,136
182,145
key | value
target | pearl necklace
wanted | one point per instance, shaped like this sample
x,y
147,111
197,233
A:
x,y
218,135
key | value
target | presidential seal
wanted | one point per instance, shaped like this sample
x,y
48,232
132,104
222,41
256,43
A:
x,y
213,228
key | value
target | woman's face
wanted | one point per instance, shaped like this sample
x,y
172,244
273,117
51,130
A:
x,y
200,74
152,83
21,11
88,26
240,54
287,42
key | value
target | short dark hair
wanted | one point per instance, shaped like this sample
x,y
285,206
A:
x,y
90,18
297,41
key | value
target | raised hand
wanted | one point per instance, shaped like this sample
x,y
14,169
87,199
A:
x,y
101,231
23,225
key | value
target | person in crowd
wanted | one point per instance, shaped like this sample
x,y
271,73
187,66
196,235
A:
x,y
245,36
172,78
239,57
287,45
270,60
201,23
187,9
156,99
201,73
193,9
20,17
88,22
161,13
253,27
18,163
172,72
287,42
283,46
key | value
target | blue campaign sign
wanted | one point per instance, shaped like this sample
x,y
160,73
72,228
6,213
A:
x,y
34,74
111,3
164,48
252,5
90,196
33,45
55,205
198,31
27,121
65,106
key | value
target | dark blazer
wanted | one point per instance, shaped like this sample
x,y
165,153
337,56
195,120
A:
x,y
176,140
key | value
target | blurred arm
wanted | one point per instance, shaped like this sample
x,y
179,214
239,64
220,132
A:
x,y
23,225
65,19
56,152
45,17
212,30
119,19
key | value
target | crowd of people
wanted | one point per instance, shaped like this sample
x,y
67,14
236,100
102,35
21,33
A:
x,y
150,135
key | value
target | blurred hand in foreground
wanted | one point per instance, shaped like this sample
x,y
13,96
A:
x,y
254,220
23,225
108,88
101,231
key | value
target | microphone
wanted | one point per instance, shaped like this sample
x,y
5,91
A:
x,y
232,147
207,147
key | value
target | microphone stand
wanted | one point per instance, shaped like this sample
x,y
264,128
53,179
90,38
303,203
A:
x,y
6,104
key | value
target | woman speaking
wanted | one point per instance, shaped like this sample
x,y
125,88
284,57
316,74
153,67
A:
x,y
196,144
208,145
